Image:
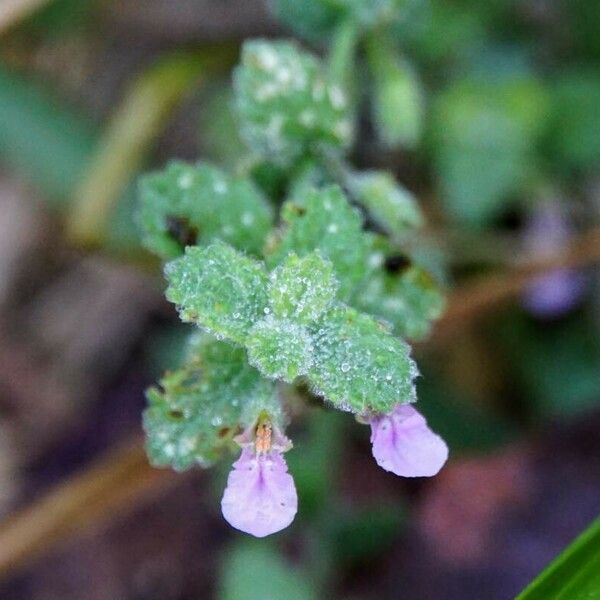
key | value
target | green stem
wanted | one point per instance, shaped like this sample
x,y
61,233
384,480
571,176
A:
x,y
378,51
342,55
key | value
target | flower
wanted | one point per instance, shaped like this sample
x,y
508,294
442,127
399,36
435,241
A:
x,y
546,234
260,497
404,445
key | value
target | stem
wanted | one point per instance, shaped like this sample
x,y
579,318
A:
x,y
341,54
476,298
378,51
13,11
130,134
114,484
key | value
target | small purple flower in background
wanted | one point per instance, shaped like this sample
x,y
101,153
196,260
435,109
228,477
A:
x,y
404,444
260,497
546,234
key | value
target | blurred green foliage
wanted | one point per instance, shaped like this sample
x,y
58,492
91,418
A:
x,y
255,570
42,138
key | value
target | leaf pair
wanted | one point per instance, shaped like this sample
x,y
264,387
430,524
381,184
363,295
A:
x,y
407,298
292,325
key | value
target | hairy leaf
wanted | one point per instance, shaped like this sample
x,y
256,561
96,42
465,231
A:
x,y
389,204
409,300
197,409
185,204
219,289
302,288
286,105
323,220
358,366
280,349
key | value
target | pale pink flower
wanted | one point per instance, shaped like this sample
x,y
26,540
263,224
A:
x,y
404,444
260,497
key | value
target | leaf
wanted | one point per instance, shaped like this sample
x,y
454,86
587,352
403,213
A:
x,y
347,356
287,107
409,300
39,138
219,289
323,220
256,571
302,288
358,366
314,20
398,102
198,408
310,19
390,205
484,145
574,574
280,349
192,204
576,121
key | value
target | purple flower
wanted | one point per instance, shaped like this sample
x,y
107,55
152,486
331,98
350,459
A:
x,y
404,445
260,497
547,232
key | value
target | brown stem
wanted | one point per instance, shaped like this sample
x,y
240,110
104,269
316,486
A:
x,y
476,298
118,481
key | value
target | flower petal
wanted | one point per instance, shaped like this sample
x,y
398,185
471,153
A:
x,y
404,445
546,234
260,497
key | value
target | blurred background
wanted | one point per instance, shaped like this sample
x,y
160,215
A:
x,y
507,167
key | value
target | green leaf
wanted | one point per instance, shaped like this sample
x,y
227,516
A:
x,y
219,289
409,300
576,121
315,20
574,575
348,357
323,220
301,289
255,570
398,102
50,145
484,137
197,409
286,105
192,204
280,349
307,176
358,366
391,206
310,19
